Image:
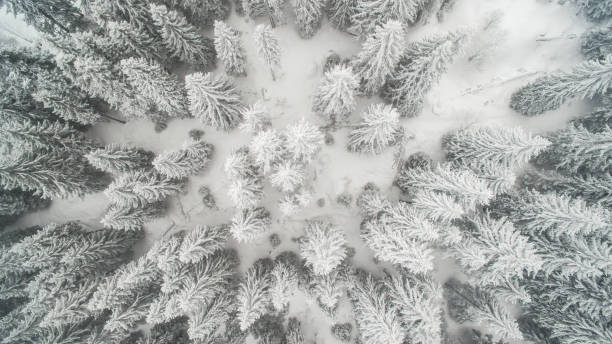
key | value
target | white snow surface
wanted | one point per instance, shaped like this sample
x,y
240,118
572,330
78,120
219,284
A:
x,y
467,94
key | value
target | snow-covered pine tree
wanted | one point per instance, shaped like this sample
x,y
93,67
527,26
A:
x,y
204,13
246,180
181,38
380,128
131,219
255,119
438,206
156,85
202,242
309,14
56,174
329,289
323,246
294,202
370,14
229,49
250,224
585,81
254,295
43,136
596,43
461,183
494,252
132,42
419,69
594,10
379,55
303,141
376,316
340,12
16,202
267,148
268,47
506,146
214,100
284,283
419,301
334,99
287,176
139,188
294,333
134,12
576,150
500,178
204,323
119,158
52,17
189,160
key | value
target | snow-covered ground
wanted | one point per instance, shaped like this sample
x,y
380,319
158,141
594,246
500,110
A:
x,y
535,37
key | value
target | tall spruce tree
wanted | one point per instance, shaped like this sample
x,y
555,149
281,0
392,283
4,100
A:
x,y
213,100
309,14
379,55
596,43
119,158
380,129
139,188
191,158
53,17
268,47
323,246
370,14
229,49
334,99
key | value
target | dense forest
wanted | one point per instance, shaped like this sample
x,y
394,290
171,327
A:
x,y
504,237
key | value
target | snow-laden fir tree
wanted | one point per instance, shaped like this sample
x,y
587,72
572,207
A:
x,y
181,38
438,206
254,295
131,219
558,215
309,14
292,203
255,119
156,85
119,158
284,283
507,146
204,13
267,148
139,188
213,100
419,69
584,81
16,202
576,150
379,55
189,160
303,141
52,17
287,176
245,177
329,289
204,323
594,10
494,252
57,174
294,333
334,99
202,242
340,12
377,317
461,183
132,42
250,224
323,246
42,136
500,178
229,49
135,12
268,47
419,301
380,128
596,43
370,14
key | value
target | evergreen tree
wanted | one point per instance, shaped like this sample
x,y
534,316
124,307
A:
x,y
438,206
287,176
119,158
53,17
16,202
370,14
205,323
181,38
250,224
294,332
420,68
379,55
329,289
335,96
294,202
255,119
595,9
507,146
133,42
303,141
205,13
246,180
268,47
56,174
44,136
213,100
139,188
134,12
284,283
191,158
578,151
323,246
132,219
202,242
500,178
377,317
267,148
585,81
309,14
596,43
156,86
229,49
340,13
459,183
380,128
253,296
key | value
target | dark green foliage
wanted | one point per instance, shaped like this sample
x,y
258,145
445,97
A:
x,y
17,202
171,332
596,44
